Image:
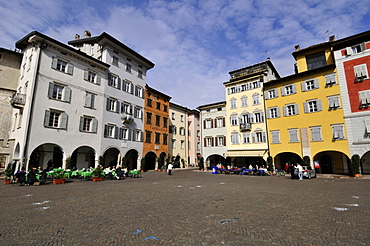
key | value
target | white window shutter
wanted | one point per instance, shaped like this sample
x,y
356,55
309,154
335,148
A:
x,y
305,105
54,63
316,83
363,47
67,94
296,109
88,100
94,125
98,79
81,123
294,86
285,110
276,91
267,95
51,88
367,126
86,74
349,51
278,112
303,85
264,137
283,91
319,105
64,121
70,68
47,118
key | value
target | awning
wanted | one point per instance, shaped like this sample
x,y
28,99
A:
x,y
246,153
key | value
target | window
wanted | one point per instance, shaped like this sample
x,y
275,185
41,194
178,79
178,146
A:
x,y
149,102
291,109
355,49
220,122
271,93
92,77
157,120
128,67
330,79
165,137
256,84
338,131
124,133
234,138
234,120
288,90
275,137
89,100
148,136
316,60
182,118
333,102
220,141
364,97
258,117
293,136
126,108
165,122
316,133
115,60
164,108
158,105
182,131
55,119
208,142
157,138
139,91
59,92
111,131
361,72
140,74
127,87
173,116
312,106
137,136
246,138
148,118
182,144
256,99
173,143
207,123
114,81
62,65
258,137
138,112
172,129
274,113
88,124
310,85
112,105
244,102
232,103
245,117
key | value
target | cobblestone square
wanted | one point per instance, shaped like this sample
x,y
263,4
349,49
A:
x,y
188,208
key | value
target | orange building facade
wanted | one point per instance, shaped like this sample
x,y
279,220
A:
x,y
156,128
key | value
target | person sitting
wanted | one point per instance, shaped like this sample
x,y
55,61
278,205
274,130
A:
x,y
119,173
21,176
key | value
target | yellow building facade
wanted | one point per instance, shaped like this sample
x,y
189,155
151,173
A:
x,y
247,142
305,115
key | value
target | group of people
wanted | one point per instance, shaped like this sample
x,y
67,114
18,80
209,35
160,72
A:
x,y
294,168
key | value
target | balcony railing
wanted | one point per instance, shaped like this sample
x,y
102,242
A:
x,y
18,100
245,127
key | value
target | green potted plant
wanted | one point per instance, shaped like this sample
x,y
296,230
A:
x,y
69,163
270,164
97,174
355,162
58,177
8,175
306,161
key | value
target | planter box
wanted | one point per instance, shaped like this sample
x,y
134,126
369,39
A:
x,y
58,181
6,181
97,179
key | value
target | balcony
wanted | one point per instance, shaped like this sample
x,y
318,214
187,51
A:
x,y
245,127
18,100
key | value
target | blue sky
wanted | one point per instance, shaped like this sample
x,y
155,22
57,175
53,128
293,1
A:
x,y
194,44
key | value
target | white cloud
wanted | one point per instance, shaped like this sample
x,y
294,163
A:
x,y
194,43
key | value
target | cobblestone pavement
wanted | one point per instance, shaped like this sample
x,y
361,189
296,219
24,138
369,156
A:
x,y
188,208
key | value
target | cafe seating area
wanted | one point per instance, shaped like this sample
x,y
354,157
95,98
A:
x,y
240,171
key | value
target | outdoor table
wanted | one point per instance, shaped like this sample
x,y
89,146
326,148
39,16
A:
x,y
86,174
50,174
134,173
67,174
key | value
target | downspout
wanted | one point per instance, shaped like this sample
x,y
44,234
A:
x,y
28,127
265,118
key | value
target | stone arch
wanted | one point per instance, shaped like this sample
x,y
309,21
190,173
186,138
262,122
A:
x,y
46,156
83,157
365,163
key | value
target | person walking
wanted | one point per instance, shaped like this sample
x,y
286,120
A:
x,y
300,171
169,168
292,169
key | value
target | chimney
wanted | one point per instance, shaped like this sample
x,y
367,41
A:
x,y
297,47
87,34
332,38
77,36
